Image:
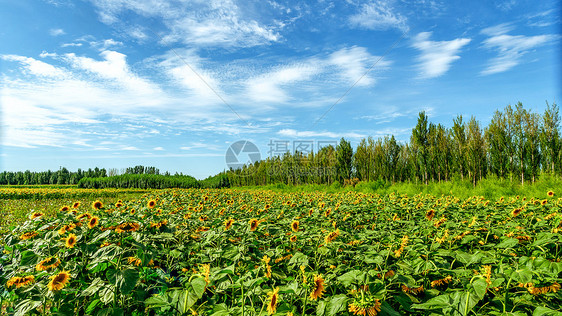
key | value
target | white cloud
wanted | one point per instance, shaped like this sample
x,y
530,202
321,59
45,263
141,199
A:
x,y
114,67
35,67
378,15
158,148
272,86
211,23
307,134
314,76
56,32
437,56
354,62
510,48
71,45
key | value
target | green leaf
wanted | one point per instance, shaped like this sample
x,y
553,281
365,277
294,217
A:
x,y
92,306
91,290
336,304
440,301
480,286
545,311
298,259
110,312
127,280
321,308
28,257
352,276
26,306
198,285
508,243
386,309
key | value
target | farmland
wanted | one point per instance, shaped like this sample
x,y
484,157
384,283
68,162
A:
x,y
259,252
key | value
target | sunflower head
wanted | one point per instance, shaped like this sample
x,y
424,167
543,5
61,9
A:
x,y
550,193
93,222
253,224
35,215
70,241
47,263
97,205
151,204
318,287
228,223
28,235
516,212
59,281
273,300
293,238
76,205
20,281
295,226
429,214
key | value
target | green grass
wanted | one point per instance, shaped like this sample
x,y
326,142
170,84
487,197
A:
x,y
491,188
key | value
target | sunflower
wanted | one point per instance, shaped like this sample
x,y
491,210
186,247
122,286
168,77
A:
x,y
273,299
295,226
20,281
35,215
47,263
76,205
293,238
127,227
118,204
59,281
28,235
134,261
70,241
441,281
318,287
82,216
331,236
550,193
266,260
365,308
205,270
543,202
66,228
97,205
228,223
151,204
516,212
253,224
93,222
429,214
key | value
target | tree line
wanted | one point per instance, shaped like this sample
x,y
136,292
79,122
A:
x,y
64,176
517,145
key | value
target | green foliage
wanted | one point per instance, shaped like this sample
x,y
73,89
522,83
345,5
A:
x,y
140,181
171,253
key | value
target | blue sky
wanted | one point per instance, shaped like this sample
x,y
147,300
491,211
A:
x,y
117,83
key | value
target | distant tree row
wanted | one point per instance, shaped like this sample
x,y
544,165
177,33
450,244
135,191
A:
x,y
64,176
517,145
141,181
61,176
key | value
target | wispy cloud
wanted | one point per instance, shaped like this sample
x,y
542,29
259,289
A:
x,y
378,15
315,75
211,23
437,56
510,48
307,134
56,32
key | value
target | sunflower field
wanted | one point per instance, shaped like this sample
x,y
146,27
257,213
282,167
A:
x,y
258,252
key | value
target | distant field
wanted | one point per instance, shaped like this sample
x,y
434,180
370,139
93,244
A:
x,y
260,252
